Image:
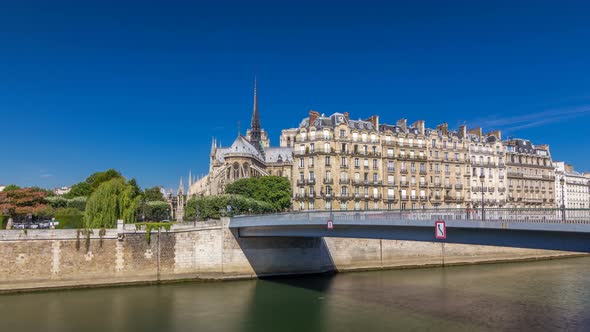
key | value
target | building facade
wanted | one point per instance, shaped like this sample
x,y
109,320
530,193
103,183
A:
x,y
336,162
572,189
531,175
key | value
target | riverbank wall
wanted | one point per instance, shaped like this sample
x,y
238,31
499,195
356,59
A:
x,y
48,259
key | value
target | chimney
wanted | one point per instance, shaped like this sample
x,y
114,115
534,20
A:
x,y
347,116
569,168
403,123
375,121
463,131
420,125
496,133
313,115
443,127
475,131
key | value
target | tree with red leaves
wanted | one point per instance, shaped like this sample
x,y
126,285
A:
x,y
23,202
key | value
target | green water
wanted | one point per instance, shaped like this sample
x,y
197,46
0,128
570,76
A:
x,y
538,296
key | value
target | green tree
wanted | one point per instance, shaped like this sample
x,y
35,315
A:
x,y
153,194
112,200
11,187
275,190
88,186
157,211
82,189
69,218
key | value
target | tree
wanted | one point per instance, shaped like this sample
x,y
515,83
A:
x,y
157,211
11,187
275,190
22,202
88,186
112,200
153,194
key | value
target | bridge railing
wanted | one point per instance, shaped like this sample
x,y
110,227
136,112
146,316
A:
x,y
569,216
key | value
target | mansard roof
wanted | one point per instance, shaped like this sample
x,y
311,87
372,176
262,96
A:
x,y
335,120
279,154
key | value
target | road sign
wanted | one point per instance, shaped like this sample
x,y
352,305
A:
x,y
330,224
440,230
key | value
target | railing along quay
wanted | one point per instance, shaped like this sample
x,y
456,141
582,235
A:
x,y
548,216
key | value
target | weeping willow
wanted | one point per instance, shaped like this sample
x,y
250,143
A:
x,y
112,200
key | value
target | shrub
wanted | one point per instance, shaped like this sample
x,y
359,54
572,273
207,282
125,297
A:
x,y
157,210
57,202
215,207
69,218
77,203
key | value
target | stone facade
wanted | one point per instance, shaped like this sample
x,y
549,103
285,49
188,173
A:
x,y
531,175
335,162
572,189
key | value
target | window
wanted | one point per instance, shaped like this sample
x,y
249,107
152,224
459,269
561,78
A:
x,y
327,147
326,134
434,143
327,160
342,133
390,152
312,147
301,162
310,161
374,163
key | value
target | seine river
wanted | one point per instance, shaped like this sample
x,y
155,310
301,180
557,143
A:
x,y
537,296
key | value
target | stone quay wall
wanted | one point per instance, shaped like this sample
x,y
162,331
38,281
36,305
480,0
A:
x,y
46,259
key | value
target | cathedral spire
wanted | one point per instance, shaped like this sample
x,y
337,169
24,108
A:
x,y
255,125
255,128
190,178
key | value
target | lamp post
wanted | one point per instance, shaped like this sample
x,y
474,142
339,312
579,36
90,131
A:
x,y
482,178
329,196
562,183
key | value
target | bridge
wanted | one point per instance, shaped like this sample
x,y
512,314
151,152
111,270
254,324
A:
x,y
551,229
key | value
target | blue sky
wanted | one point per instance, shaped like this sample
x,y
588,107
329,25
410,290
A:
x,y
143,86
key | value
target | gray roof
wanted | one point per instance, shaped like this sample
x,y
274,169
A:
x,y
282,154
242,146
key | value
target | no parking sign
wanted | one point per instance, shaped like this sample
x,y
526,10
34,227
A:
x,y
440,230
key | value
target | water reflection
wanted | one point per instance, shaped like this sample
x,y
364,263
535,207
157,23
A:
x,y
548,295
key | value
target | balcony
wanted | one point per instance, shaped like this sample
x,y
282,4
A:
x,y
458,186
404,183
404,197
328,181
391,198
437,185
422,172
344,181
344,166
448,186
515,174
423,185
404,171
390,169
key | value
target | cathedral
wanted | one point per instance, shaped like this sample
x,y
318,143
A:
x,y
248,156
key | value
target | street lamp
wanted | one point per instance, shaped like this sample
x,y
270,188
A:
x,y
482,178
562,183
329,197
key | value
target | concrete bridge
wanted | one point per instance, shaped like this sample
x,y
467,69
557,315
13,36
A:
x,y
552,229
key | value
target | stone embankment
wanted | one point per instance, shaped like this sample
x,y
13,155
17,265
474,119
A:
x,y
46,259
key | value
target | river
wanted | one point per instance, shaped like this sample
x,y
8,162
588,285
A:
x,y
544,295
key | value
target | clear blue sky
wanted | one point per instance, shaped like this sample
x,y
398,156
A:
x,y
143,86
